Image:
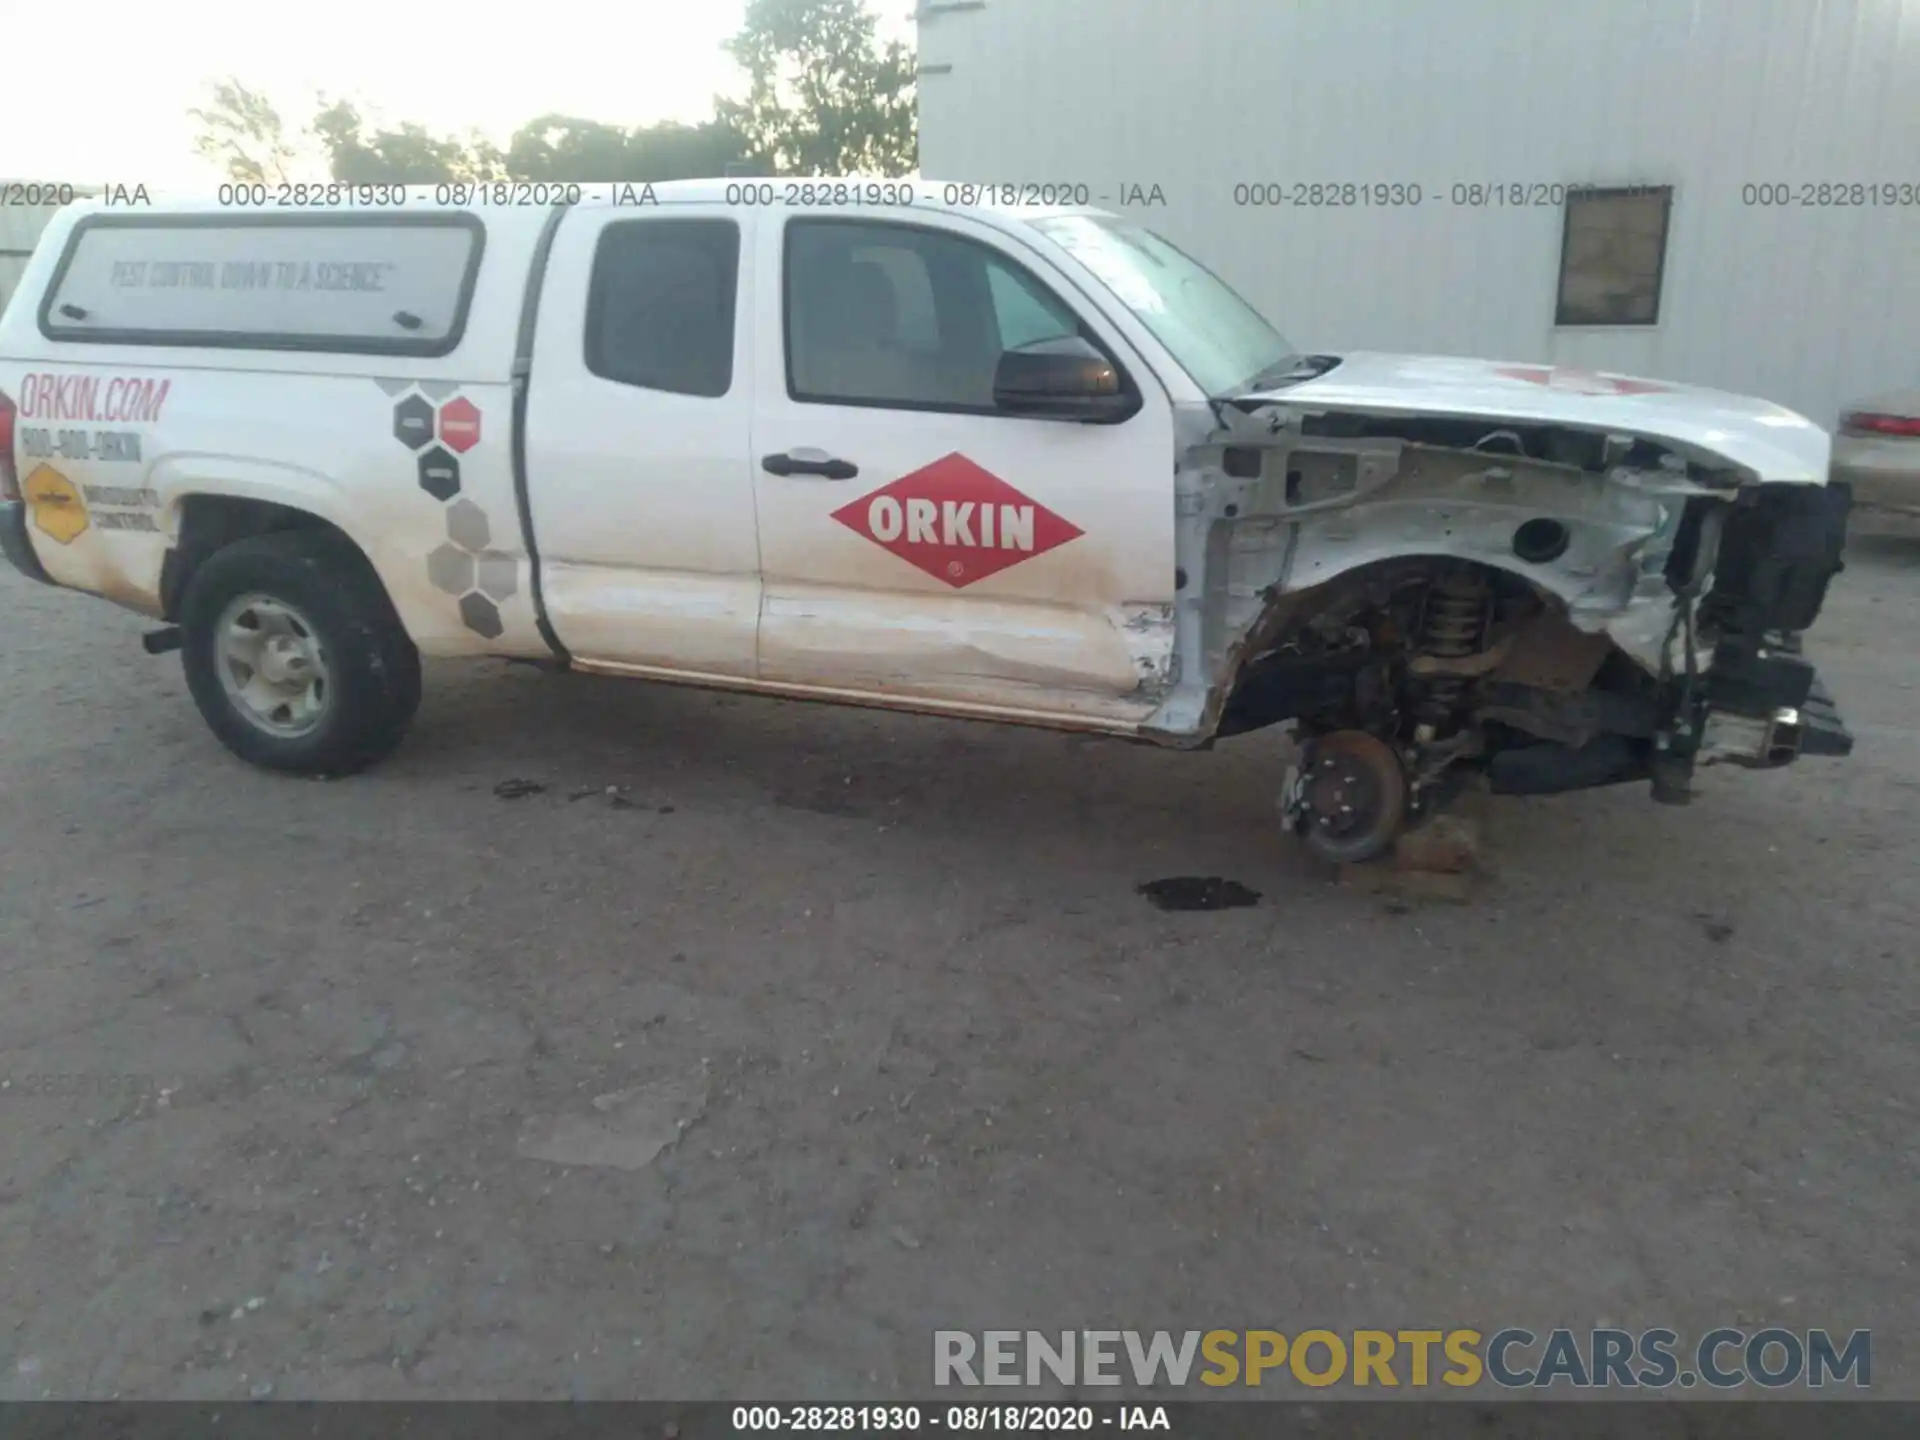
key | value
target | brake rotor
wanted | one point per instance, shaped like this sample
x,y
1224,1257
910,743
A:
x,y
1352,796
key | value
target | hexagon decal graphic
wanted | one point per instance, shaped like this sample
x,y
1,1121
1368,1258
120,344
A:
x,y
957,521
451,569
499,576
439,474
480,615
413,422
467,525
460,424
55,503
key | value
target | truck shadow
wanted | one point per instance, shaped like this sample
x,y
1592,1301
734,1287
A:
x,y
693,748
1029,797
1893,542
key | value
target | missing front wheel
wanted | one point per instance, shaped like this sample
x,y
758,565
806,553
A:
x,y
1347,796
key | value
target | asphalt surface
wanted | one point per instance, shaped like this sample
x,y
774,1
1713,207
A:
x,y
300,1078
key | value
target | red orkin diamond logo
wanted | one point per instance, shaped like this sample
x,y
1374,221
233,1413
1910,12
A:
x,y
956,521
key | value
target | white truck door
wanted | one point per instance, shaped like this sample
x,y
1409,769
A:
x,y
639,472
915,542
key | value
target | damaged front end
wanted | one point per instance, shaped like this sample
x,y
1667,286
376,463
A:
x,y
1427,596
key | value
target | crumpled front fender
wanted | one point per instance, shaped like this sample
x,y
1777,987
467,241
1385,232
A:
x,y
1267,515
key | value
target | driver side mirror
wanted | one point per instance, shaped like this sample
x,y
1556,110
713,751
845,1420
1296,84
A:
x,y
1063,379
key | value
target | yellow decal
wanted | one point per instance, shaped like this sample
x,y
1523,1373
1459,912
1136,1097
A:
x,y
56,504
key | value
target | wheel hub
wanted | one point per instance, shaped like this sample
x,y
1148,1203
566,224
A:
x,y
272,665
284,659
1348,797
1341,795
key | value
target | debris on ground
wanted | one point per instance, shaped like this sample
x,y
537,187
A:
x,y
1454,887
615,799
1198,892
629,1130
1443,845
515,789
1437,859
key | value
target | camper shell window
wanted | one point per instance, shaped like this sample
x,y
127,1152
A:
x,y
355,284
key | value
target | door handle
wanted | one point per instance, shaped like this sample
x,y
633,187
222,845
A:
x,y
809,462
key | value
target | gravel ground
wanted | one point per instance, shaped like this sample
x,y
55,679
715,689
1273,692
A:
x,y
301,1078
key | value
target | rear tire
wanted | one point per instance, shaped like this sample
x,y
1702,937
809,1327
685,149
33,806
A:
x,y
347,676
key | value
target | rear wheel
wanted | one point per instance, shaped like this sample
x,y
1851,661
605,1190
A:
x,y
294,654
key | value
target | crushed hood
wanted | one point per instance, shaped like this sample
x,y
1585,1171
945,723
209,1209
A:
x,y
1711,425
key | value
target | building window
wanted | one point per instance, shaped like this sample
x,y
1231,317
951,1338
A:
x,y
1613,255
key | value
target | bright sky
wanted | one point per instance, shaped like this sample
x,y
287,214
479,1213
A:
x,y
99,93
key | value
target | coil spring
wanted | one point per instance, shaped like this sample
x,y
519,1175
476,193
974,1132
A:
x,y
1454,625
1455,608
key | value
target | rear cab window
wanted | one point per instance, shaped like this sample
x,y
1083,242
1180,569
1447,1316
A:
x,y
358,283
660,308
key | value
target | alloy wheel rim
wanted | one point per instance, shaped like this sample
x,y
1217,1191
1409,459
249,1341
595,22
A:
x,y
272,666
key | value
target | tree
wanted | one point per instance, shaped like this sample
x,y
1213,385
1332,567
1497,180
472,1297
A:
x,y
562,148
672,151
410,155
243,134
824,96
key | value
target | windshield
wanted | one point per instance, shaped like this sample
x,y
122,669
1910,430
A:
x,y
1219,339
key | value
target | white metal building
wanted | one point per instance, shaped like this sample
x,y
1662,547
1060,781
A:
x,y
1756,224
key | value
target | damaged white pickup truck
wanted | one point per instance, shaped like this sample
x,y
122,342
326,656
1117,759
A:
x,y
1031,466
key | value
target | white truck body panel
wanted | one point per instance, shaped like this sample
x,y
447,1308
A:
x,y
313,430
1764,439
925,613
645,507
